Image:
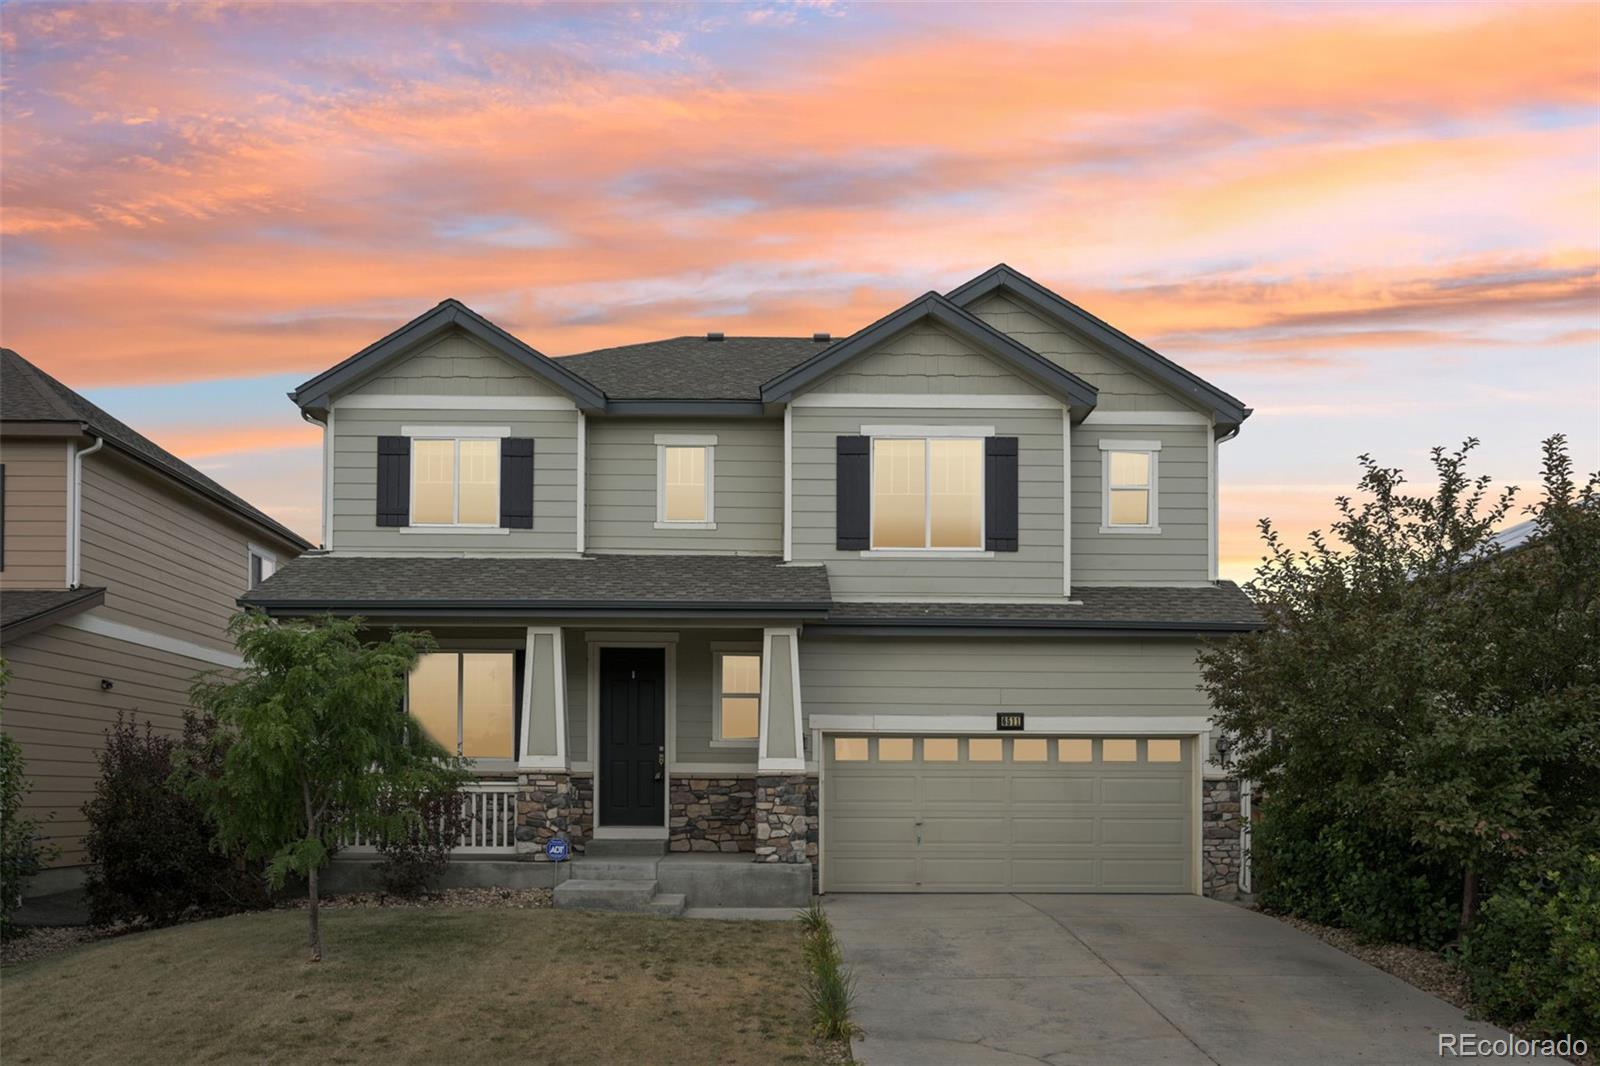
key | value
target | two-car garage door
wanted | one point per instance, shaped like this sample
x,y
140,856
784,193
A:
x,y
1007,814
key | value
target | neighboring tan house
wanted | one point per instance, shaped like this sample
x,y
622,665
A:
x,y
120,565
920,605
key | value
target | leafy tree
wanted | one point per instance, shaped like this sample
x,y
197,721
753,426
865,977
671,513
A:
x,y
1419,701
317,743
21,853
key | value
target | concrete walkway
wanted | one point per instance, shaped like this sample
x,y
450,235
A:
x,y
1140,980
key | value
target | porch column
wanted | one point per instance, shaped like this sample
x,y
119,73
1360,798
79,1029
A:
x,y
782,793
547,804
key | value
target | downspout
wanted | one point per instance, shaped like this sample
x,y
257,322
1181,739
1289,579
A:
x,y
75,515
327,474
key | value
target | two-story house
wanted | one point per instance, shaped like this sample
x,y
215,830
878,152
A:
x,y
120,565
920,606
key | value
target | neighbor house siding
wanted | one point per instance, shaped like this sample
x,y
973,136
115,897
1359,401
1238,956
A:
x,y
1180,552
169,564
1033,571
1121,389
455,365
35,513
925,360
978,676
58,711
747,495
355,482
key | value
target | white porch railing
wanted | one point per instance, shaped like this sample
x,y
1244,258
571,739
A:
x,y
491,810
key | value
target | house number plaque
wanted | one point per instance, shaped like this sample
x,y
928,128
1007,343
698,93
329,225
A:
x,y
1008,721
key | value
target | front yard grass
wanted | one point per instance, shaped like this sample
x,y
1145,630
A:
x,y
422,986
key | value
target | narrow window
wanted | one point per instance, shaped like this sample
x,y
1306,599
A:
x,y
464,700
1119,751
927,493
985,749
263,564
738,697
894,749
850,749
455,482
685,478
1128,470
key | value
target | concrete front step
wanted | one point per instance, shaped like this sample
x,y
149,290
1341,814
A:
x,y
620,869
607,848
620,897
668,904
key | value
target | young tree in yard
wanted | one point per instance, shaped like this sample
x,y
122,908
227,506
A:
x,y
22,855
1420,703
317,743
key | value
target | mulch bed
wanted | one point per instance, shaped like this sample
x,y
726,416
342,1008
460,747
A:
x,y
513,898
40,941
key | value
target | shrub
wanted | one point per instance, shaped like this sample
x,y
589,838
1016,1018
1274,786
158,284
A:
x,y
411,862
1533,957
21,853
830,987
149,845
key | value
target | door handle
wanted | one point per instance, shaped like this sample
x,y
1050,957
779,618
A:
x,y
661,762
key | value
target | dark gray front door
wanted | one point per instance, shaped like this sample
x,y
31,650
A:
x,y
633,736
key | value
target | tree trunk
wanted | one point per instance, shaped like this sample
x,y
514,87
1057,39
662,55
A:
x,y
1469,899
316,930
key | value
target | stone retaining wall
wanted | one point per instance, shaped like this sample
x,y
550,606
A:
x,y
712,814
1219,838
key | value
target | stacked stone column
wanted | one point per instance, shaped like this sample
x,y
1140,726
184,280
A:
x,y
785,826
552,804
1220,823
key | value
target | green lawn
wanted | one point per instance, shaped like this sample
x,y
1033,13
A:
x,y
418,985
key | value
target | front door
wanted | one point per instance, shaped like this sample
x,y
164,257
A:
x,y
633,736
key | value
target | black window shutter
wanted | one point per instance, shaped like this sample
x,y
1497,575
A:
x,y
1000,495
518,663
516,482
394,481
853,495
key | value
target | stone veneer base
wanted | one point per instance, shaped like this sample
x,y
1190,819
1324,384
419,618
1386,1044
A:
x,y
1220,822
712,814
553,804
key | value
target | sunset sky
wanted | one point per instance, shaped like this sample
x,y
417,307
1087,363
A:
x,y
1377,224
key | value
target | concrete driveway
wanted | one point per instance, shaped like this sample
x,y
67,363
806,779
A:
x,y
1119,979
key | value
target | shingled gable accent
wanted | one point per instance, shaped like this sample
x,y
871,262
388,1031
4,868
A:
x,y
448,315
1079,395
1228,411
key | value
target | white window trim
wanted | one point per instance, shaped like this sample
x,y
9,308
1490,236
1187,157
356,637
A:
x,y
478,762
1151,448
685,440
926,434
718,650
488,433
269,562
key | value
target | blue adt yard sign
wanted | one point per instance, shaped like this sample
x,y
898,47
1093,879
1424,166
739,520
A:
x,y
556,849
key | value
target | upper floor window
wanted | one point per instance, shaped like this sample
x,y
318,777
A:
x,y
455,481
737,701
466,701
685,481
927,492
263,564
1128,474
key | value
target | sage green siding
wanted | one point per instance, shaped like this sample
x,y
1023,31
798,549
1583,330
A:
x,y
748,486
35,513
1121,388
925,360
1033,571
454,365
355,482
1180,552
979,676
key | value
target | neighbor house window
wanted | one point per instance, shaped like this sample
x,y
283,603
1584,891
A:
x,y
455,482
685,481
927,493
263,564
466,701
1128,472
737,703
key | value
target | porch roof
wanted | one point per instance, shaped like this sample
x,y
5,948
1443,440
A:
x,y
684,585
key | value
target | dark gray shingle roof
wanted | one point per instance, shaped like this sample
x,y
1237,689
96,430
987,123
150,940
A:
x,y
18,607
1223,608
691,368
28,394
606,582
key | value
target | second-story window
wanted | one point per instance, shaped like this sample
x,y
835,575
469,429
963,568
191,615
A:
x,y
455,482
927,493
1128,473
685,481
